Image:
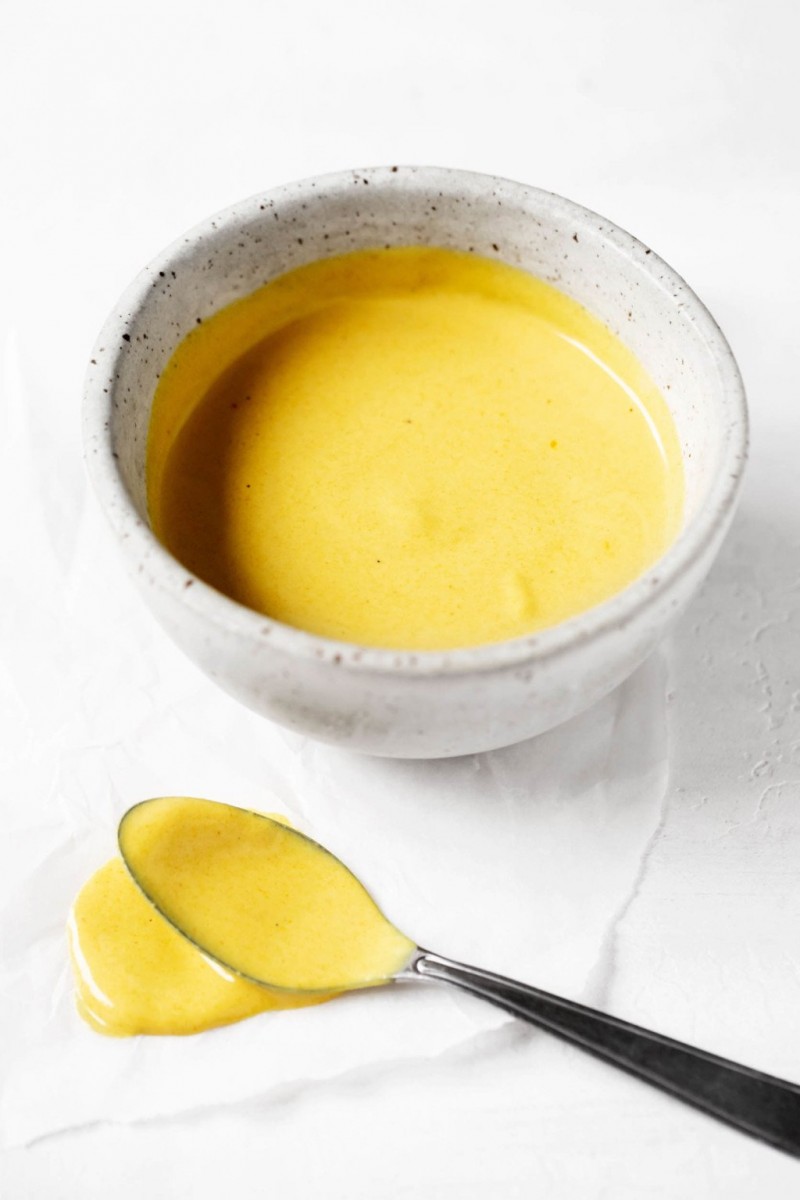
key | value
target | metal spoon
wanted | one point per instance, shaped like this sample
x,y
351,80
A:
x,y
761,1105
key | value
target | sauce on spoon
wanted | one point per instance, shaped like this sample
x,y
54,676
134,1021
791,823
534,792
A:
x,y
263,901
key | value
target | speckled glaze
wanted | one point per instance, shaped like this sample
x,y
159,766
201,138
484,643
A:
x,y
418,704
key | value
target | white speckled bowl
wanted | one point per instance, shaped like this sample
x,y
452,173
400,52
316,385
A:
x,y
397,703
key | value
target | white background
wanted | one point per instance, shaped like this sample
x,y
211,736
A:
x,y
122,126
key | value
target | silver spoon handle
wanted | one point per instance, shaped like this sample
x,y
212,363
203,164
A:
x,y
761,1105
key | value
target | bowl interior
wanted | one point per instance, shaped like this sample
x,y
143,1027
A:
x,y
619,280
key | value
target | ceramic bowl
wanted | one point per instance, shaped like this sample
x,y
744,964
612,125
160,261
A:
x,y
420,704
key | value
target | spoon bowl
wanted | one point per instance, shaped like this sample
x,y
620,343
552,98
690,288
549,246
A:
x,y
259,897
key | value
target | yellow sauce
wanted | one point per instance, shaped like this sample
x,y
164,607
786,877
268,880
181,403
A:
x,y
412,448
135,974
257,896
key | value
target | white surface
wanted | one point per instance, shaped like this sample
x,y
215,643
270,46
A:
x,y
675,903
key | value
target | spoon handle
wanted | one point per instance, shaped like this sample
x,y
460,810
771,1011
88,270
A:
x,y
761,1105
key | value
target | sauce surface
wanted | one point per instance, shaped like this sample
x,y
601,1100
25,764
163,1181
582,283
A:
x,y
412,448
258,897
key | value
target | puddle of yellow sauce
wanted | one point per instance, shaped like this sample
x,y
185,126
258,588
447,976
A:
x,y
134,973
412,448
257,896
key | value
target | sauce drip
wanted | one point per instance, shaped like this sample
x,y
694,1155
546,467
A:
x,y
412,448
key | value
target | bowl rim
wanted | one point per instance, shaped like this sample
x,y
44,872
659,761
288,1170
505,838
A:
x,y
638,598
